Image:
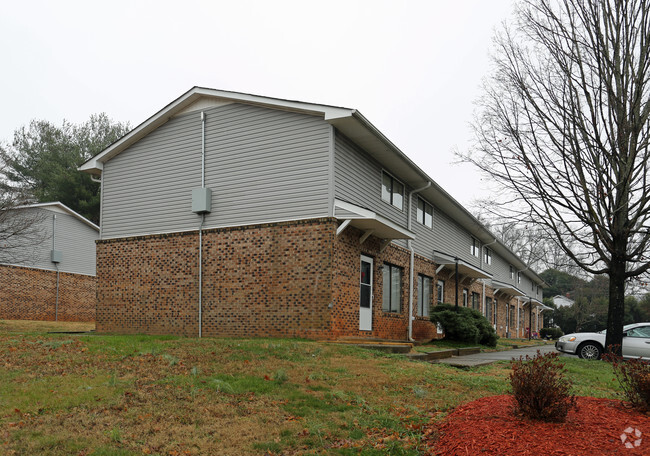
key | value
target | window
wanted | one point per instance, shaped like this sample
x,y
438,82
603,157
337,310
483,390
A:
x,y
441,291
487,256
476,302
465,296
512,321
474,247
392,290
424,295
392,191
488,309
496,311
519,277
512,273
425,213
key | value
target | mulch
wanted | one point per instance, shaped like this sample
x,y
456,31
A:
x,y
489,426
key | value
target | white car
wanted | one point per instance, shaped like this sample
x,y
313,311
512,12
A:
x,y
589,345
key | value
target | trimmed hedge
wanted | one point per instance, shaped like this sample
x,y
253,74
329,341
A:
x,y
554,333
466,325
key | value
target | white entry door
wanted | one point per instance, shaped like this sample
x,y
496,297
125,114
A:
x,y
365,302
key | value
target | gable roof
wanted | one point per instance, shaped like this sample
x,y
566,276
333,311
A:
x,y
57,206
354,126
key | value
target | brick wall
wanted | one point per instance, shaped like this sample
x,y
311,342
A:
x,y
385,325
30,294
263,280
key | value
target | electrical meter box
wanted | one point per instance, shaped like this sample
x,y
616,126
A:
x,y
56,256
201,200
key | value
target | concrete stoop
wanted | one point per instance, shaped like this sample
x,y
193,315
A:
x,y
443,354
388,346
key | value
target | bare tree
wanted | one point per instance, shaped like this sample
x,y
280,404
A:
x,y
21,230
563,128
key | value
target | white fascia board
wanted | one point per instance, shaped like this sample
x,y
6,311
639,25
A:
x,y
508,288
367,219
463,267
95,164
63,208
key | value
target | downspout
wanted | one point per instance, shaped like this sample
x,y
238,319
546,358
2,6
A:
x,y
201,225
56,265
483,280
412,261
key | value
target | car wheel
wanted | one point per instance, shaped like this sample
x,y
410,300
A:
x,y
589,350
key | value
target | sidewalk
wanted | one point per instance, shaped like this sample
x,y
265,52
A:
x,y
481,359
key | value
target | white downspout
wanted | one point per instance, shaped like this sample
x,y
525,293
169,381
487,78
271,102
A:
x,y
412,262
56,265
201,226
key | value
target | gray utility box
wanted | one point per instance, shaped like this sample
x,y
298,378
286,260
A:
x,y
56,256
201,200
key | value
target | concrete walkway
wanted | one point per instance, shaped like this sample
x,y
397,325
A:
x,y
481,359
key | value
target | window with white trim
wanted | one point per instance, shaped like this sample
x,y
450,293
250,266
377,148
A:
x,y
465,297
392,288
425,213
512,273
474,248
476,301
424,295
487,256
518,277
440,289
392,190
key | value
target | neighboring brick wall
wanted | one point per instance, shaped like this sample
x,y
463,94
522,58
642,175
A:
x,y
263,280
30,294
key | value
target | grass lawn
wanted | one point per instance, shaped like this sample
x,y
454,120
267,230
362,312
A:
x,y
76,394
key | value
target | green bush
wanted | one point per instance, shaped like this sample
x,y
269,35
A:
x,y
540,389
634,377
466,325
553,333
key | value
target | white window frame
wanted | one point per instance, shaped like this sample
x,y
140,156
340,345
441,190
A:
x,y
393,307
421,214
487,256
512,272
424,295
390,199
465,297
475,247
440,291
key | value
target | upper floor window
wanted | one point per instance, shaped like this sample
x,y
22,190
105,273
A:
x,y
518,277
392,291
512,273
474,248
425,213
392,190
487,256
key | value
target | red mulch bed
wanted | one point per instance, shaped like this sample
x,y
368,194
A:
x,y
488,426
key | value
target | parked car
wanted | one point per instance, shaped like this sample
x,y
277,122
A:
x,y
591,345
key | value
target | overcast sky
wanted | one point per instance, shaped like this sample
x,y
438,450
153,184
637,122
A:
x,y
413,68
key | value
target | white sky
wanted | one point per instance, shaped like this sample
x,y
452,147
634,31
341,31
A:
x,y
413,68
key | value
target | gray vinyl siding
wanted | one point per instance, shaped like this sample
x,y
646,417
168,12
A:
x,y
73,238
501,270
357,180
262,165
425,237
452,239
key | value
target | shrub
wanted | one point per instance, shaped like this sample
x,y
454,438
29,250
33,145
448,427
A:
x,y
553,333
634,377
466,325
540,389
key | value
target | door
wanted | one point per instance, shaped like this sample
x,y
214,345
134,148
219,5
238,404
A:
x,y
365,301
636,342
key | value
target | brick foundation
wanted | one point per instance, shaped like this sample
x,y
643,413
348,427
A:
x,y
30,294
292,279
265,280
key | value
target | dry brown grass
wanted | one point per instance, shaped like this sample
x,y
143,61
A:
x,y
32,326
64,394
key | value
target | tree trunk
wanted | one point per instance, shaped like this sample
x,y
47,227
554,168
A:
x,y
616,311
